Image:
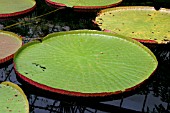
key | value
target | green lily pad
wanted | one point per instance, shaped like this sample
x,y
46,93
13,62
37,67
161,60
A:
x,y
15,7
9,44
142,23
85,63
84,4
12,99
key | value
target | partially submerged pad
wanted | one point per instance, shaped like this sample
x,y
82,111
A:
x,y
15,7
9,44
142,23
84,4
85,63
12,99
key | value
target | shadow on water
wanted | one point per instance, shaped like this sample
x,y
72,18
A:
x,y
153,96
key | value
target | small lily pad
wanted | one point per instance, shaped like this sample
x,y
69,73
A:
x,y
9,44
142,23
14,8
84,4
85,63
12,99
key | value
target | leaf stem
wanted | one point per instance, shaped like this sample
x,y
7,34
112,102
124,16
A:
x,y
33,18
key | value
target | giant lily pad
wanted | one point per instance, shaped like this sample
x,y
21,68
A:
x,y
15,7
85,63
142,23
9,44
84,4
12,99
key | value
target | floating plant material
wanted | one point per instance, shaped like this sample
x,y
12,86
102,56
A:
x,y
142,23
85,63
14,8
9,44
84,4
12,99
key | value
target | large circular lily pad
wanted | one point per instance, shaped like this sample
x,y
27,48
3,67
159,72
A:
x,y
142,23
9,44
12,99
15,7
85,63
84,4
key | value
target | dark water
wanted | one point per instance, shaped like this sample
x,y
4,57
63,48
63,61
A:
x,y
153,97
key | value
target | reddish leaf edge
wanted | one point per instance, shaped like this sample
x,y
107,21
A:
x,y
7,58
80,94
10,15
147,41
81,8
137,39
77,94
55,4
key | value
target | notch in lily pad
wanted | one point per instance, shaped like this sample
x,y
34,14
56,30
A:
x,y
85,63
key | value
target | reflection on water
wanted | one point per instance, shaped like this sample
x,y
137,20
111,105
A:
x,y
152,97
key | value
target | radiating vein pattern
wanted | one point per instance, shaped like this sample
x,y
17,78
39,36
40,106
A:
x,y
86,62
